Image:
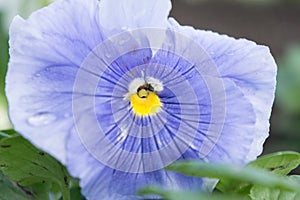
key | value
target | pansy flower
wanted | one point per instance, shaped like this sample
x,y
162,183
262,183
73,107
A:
x,y
116,91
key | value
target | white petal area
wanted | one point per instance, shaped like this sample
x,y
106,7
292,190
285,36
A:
x,y
116,15
46,51
249,66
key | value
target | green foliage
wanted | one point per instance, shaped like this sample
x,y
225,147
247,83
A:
x,y
231,174
25,165
261,179
261,193
8,133
280,163
9,190
3,135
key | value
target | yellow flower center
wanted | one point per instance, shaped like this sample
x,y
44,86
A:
x,y
145,102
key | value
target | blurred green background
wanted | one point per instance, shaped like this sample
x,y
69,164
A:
x,y
275,23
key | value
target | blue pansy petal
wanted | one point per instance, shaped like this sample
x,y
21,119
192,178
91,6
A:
x,y
101,182
132,14
235,140
98,181
247,65
44,59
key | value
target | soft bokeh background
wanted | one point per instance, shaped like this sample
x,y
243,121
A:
x,y
275,23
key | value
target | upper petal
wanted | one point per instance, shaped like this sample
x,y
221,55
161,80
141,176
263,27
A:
x,y
118,15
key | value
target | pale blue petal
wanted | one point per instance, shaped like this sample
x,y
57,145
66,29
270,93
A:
x,y
45,52
234,142
247,65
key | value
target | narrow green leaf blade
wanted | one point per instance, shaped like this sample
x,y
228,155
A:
x,y
180,195
7,133
233,173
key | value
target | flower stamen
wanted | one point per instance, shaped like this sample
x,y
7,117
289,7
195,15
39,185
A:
x,y
145,102
143,96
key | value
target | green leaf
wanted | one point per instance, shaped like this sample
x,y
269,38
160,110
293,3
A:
x,y
280,163
177,195
10,191
262,193
233,174
26,165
